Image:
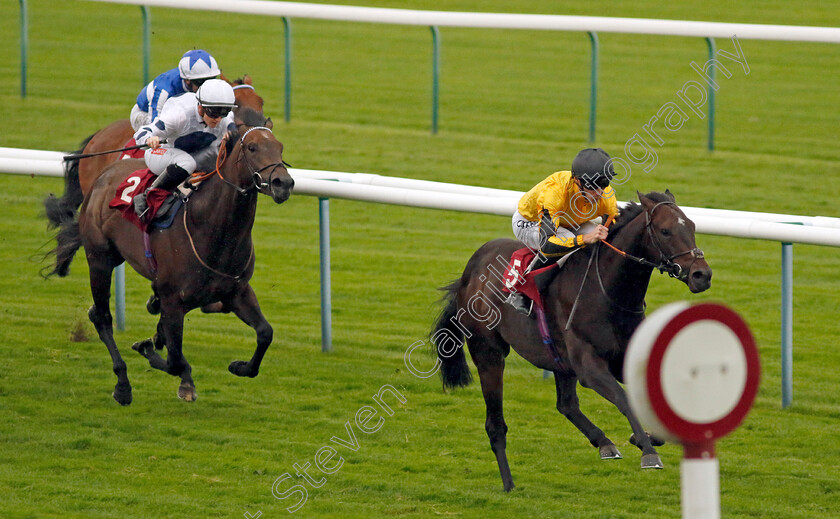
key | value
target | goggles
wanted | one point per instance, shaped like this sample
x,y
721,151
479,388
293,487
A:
x,y
216,112
595,184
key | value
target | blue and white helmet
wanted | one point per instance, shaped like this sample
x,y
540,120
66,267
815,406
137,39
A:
x,y
198,64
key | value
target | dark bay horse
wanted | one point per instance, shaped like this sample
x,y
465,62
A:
x,y
207,256
80,174
589,349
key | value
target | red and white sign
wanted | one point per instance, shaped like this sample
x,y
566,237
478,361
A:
x,y
692,374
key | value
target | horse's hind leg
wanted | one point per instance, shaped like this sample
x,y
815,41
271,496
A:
x,y
246,307
147,348
100,316
569,406
491,367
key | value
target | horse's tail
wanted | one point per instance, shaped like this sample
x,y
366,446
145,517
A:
x,y
61,210
69,240
448,341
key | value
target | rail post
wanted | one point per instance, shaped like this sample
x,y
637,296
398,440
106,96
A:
x,y
593,86
787,324
435,76
287,69
24,46
326,297
147,39
710,42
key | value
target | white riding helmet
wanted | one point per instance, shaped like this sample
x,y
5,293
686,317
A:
x,y
216,92
198,64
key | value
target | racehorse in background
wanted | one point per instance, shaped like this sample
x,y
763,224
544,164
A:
x,y
590,335
80,174
206,256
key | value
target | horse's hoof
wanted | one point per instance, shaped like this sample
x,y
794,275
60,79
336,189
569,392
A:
x,y
153,305
143,347
652,461
240,369
187,392
122,396
656,442
609,452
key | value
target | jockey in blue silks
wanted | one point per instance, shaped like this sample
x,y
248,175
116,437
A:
x,y
195,67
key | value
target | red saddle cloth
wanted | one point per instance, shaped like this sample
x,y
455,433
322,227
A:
x,y
515,281
132,154
136,183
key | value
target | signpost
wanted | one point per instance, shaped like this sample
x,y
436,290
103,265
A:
x,y
692,375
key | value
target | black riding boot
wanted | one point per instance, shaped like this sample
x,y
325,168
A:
x,y
168,180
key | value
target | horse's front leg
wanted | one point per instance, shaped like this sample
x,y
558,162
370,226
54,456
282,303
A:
x,y
244,304
569,406
171,325
593,372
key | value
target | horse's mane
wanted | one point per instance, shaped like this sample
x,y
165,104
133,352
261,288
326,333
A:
x,y
632,210
250,117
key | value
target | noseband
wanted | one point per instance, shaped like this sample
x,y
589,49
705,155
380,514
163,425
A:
x,y
666,263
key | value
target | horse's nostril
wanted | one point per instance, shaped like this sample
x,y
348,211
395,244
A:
x,y
284,183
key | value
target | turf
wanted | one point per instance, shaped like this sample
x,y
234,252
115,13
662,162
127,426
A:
x,y
514,107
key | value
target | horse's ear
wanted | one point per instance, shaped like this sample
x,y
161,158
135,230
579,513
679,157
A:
x,y
647,203
222,77
246,79
670,195
269,123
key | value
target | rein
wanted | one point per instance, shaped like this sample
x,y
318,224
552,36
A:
x,y
220,160
208,267
666,263
258,182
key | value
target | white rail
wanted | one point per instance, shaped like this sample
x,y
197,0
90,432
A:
x,y
815,230
540,22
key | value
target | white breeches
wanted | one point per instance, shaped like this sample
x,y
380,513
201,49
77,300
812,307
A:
x,y
528,232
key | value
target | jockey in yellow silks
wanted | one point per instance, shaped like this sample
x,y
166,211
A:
x,y
554,217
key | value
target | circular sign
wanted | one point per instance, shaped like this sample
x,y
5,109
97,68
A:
x,y
692,372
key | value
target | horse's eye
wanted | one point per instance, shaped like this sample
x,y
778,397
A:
x,y
665,232
252,147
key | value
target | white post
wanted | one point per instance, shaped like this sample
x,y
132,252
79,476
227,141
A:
x,y
700,479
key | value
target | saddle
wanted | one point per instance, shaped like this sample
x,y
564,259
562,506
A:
x,y
163,205
531,283
519,278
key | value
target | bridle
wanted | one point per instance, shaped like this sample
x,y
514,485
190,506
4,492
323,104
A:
x,y
666,263
256,178
259,183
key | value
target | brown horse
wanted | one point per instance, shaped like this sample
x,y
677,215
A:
x,y
80,174
590,346
206,256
